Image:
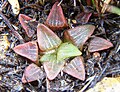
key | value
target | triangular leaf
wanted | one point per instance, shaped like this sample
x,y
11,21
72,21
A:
x,y
79,35
56,19
47,39
67,50
76,68
28,25
28,50
32,73
97,44
83,17
51,65
53,68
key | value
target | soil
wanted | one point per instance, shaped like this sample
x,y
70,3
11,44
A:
x,y
12,66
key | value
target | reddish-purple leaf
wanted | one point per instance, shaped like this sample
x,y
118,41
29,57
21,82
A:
x,y
56,19
32,73
76,68
28,50
89,2
98,44
53,68
79,35
47,39
28,24
83,17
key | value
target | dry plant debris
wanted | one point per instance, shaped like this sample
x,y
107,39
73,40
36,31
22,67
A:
x,y
4,45
54,53
15,6
107,84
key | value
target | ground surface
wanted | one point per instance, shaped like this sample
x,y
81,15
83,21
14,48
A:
x,y
13,65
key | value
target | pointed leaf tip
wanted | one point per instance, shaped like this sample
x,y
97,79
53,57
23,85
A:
x,y
28,26
76,68
98,44
79,35
47,39
32,73
28,50
56,19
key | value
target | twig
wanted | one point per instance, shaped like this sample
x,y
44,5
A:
x,y
74,3
60,2
34,6
106,2
90,80
48,85
5,3
11,28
